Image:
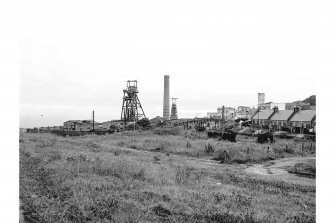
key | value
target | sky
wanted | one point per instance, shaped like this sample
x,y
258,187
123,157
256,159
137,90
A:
x,y
76,56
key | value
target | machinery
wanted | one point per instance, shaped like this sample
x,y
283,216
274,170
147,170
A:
x,y
132,110
174,114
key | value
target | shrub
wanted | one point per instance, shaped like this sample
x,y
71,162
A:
x,y
222,156
161,211
92,145
130,127
278,151
209,148
288,150
304,169
133,146
188,144
144,123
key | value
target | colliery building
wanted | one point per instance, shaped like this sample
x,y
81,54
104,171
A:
x,y
80,125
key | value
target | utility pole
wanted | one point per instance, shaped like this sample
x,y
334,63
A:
x,y
38,129
258,119
93,120
134,114
222,119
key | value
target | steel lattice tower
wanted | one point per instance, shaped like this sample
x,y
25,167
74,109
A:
x,y
174,114
132,110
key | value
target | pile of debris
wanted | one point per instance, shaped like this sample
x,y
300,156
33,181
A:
x,y
246,131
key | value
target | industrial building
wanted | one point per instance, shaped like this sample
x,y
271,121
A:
x,y
80,125
174,113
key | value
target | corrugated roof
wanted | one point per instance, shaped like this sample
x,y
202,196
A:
x,y
263,114
304,116
282,115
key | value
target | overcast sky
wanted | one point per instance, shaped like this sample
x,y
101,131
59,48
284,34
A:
x,y
76,56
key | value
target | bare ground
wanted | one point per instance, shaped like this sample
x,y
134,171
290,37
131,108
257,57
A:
x,y
279,169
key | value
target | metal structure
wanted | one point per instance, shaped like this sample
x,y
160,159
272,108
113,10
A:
x,y
174,114
166,102
132,110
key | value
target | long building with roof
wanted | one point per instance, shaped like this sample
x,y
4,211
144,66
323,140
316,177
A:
x,y
303,120
296,120
261,118
279,120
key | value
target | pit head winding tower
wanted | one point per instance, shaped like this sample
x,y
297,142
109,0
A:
x,y
132,110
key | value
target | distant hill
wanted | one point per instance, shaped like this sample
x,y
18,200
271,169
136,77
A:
x,y
311,100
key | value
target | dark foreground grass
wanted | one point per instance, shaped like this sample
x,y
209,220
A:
x,y
91,179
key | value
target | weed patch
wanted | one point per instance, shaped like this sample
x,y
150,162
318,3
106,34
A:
x,y
209,148
222,156
167,131
304,169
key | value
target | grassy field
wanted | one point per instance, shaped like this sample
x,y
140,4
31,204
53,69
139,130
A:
x,y
159,176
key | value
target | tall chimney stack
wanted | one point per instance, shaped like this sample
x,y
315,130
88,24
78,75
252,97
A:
x,y
166,103
261,98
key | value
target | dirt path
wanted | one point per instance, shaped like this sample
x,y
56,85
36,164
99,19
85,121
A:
x,y
279,169
276,169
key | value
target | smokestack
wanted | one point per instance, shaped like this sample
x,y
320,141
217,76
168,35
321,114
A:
x,y
261,98
166,103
